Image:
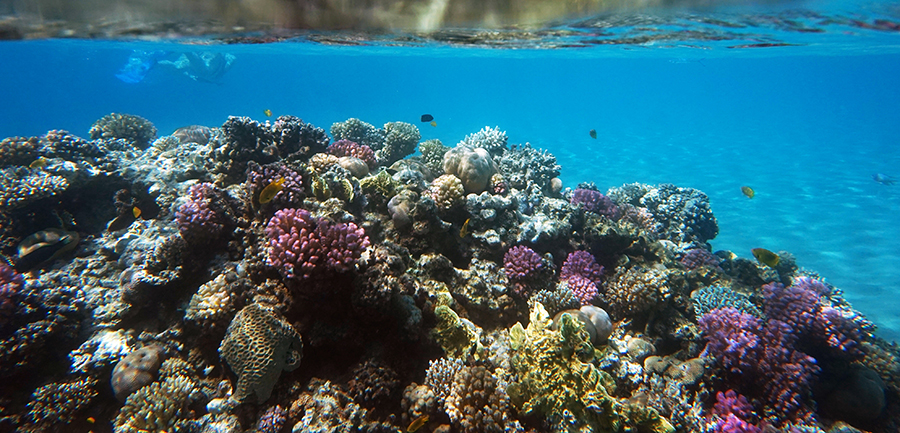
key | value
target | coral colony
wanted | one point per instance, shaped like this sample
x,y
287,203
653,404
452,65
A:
x,y
278,277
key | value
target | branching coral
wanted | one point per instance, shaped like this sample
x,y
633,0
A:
x,y
349,148
135,129
400,140
594,201
198,220
21,186
300,244
491,139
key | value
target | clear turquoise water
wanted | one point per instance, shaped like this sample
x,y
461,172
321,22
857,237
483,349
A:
x,y
805,126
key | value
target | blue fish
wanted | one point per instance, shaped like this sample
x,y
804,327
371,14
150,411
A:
x,y
884,179
138,65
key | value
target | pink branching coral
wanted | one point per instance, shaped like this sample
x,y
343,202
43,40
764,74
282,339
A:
x,y
595,201
350,148
300,244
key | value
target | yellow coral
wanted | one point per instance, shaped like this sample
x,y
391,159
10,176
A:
x,y
211,302
447,191
455,336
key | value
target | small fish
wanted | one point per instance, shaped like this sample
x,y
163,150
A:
x,y
417,424
464,231
39,163
877,177
427,118
268,193
136,211
749,192
91,419
593,133
433,123
267,112
766,257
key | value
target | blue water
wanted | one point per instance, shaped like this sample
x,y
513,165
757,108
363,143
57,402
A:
x,y
806,127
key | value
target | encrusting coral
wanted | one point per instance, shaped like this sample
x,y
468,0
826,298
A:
x,y
258,346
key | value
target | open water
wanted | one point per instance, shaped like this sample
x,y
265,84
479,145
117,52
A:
x,y
805,125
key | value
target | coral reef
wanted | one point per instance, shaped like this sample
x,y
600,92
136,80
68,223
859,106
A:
x,y
258,346
397,269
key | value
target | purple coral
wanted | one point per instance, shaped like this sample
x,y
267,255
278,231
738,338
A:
x,y
10,283
698,258
596,202
300,244
582,273
197,220
351,148
521,264
816,323
273,420
735,412
258,177
762,359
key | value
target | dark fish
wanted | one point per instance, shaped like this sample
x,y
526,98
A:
x,y
193,134
593,133
427,118
748,191
884,179
120,222
766,257
44,246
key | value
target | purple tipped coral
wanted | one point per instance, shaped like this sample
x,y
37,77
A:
x,y
197,220
521,265
351,148
698,258
10,283
582,273
596,202
300,245
735,412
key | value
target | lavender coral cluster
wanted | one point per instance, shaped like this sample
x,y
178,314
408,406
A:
x,y
300,244
292,192
197,220
772,358
522,265
594,201
582,273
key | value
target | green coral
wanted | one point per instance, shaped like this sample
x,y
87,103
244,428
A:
x,y
554,378
382,184
557,380
456,337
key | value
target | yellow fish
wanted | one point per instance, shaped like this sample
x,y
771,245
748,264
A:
x,y
464,231
417,424
748,191
268,112
433,123
38,163
136,211
766,257
268,193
